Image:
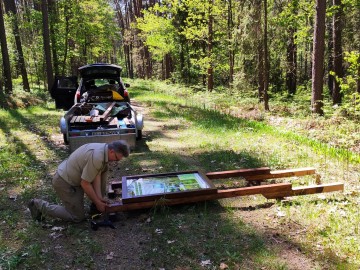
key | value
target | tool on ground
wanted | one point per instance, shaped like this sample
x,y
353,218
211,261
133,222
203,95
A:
x,y
105,222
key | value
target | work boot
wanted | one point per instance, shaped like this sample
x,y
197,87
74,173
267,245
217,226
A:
x,y
34,211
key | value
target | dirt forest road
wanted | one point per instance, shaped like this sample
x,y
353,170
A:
x,y
124,245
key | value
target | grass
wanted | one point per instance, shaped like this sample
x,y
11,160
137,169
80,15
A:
x,y
194,133
180,234
29,155
230,142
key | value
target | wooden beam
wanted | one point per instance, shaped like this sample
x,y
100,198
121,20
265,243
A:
x,y
281,174
107,112
271,191
220,194
238,173
318,189
307,190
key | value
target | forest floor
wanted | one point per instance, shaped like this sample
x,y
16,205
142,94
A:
x,y
127,241
239,233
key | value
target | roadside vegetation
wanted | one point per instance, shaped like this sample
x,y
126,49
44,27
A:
x,y
196,130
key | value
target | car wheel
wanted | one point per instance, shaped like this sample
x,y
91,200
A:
x,y
66,139
139,135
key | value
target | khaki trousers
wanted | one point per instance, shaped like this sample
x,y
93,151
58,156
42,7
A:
x,y
71,197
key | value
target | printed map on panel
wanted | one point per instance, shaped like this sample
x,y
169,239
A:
x,y
167,184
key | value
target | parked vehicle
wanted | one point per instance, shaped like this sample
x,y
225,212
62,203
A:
x,y
98,109
95,79
101,122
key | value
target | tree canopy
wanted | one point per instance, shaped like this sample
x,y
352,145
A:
x,y
262,46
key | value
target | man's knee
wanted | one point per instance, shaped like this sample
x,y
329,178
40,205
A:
x,y
78,218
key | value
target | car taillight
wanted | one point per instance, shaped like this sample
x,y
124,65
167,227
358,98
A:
x,y
126,93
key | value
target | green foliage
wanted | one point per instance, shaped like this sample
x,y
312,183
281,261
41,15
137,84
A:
x,y
348,85
164,31
92,28
158,32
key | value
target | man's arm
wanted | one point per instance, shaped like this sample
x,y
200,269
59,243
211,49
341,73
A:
x,y
91,193
97,186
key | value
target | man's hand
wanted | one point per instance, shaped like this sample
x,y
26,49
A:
x,y
101,206
90,192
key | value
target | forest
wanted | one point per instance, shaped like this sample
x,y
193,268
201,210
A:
x,y
265,47
223,85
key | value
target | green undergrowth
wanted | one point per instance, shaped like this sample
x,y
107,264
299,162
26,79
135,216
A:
x,y
334,135
209,136
218,140
29,154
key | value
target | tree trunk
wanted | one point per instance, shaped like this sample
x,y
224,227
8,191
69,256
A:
x,y
318,58
231,46
183,69
5,55
330,81
123,26
126,58
260,49
131,62
168,66
21,67
47,50
148,63
306,62
266,61
358,77
66,37
338,55
210,71
54,17
291,63
74,61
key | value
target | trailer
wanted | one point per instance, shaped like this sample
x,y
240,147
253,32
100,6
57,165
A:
x,y
89,122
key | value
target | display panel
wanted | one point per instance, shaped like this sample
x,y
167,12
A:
x,y
169,185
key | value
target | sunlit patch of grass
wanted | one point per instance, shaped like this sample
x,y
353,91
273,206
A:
x,y
26,151
28,156
222,104
332,225
224,142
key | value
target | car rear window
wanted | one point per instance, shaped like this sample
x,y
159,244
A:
x,y
100,71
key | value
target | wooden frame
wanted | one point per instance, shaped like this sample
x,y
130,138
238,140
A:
x,y
269,191
149,187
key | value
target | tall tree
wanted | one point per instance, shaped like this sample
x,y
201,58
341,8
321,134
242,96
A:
x,y
330,78
210,71
54,18
230,29
260,49
291,51
338,55
5,54
67,15
266,59
46,40
318,58
20,61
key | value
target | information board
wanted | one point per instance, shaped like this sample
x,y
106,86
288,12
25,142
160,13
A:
x,y
170,185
